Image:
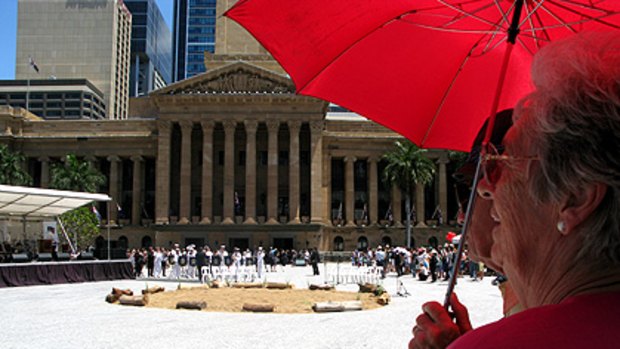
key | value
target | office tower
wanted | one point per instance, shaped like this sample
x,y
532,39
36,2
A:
x,y
193,34
54,99
151,48
77,39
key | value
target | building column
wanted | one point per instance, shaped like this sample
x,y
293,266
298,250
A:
x,y
45,171
349,190
162,188
374,191
136,195
229,171
293,187
186,171
272,171
114,188
207,171
443,187
419,206
396,211
316,171
327,187
250,171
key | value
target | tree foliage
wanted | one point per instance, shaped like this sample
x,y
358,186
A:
x,y
11,168
78,175
407,166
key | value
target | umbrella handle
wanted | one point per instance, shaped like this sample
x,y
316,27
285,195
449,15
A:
x,y
459,252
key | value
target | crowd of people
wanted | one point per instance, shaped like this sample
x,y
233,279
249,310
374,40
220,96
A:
x,y
424,263
187,262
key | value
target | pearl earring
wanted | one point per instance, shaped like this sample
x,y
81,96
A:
x,y
561,226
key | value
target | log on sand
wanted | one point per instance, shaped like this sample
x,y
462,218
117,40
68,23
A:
x,y
259,308
352,305
324,287
367,288
278,285
247,285
192,305
138,301
153,290
120,292
327,307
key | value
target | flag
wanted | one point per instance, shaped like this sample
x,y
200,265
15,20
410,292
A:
x,y
388,214
365,213
33,64
339,216
438,214
460,216
96,212
237,204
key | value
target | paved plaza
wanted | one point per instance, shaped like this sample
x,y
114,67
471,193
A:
x,y
76,316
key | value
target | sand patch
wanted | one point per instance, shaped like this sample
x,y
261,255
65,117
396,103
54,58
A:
x,y
232,299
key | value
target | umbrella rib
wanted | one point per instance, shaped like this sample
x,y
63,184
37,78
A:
x,y
445,96
587,17
465,13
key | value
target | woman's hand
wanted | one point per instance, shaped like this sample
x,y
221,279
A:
x,y
435,327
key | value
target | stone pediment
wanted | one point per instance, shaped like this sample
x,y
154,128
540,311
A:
x,y
236,78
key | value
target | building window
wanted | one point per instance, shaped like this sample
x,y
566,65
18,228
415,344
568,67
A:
x,y
283,158
338,243
362,243
241,158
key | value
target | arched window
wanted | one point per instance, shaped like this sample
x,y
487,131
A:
x,y
362,243
386,241
433,241
123,242
100,242
147,241
338,243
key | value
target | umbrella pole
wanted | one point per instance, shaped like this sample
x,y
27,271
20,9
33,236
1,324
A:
x,y
457,259
513,31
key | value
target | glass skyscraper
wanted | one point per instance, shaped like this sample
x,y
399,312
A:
x,y
193,34
151,48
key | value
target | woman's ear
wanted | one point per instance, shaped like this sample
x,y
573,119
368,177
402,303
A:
x,y
577,207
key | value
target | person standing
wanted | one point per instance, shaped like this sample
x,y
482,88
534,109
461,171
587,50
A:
x,y
260,262
315,259
150,262
201,261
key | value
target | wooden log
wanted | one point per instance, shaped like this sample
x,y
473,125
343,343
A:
x,y
327,307
367,288
278,285
138,301
324,287
247,285
352,305
153,290
259,308
112,298
384,299
192,305
120,292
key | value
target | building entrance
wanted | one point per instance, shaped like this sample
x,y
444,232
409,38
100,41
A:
x,y
242,243
283,243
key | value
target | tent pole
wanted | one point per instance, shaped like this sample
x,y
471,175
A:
x,y
62,227
108,221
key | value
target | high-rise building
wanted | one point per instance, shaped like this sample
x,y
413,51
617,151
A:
x,y
193,35
151,48
77,39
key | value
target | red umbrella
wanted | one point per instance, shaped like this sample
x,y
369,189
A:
x,y
428,69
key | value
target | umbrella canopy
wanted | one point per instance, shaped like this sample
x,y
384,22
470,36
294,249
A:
x,y
428,69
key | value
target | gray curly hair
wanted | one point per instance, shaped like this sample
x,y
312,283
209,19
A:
x,y
573,121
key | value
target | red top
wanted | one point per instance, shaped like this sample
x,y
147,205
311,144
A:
x,y
588,321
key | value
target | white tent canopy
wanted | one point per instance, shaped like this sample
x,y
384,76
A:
x,y
42,203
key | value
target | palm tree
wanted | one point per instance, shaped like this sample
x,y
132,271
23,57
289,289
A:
x,y
11,170
75,175
407,166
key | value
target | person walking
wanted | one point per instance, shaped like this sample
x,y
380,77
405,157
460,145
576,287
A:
x,y
315,259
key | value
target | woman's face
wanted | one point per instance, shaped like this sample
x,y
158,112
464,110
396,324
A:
x,y
520,230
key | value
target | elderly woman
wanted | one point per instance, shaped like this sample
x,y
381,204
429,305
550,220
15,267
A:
x,y
555,196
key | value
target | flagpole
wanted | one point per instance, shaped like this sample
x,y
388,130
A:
x,y
28,93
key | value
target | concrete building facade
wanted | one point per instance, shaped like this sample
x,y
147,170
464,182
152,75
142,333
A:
x,y
83,39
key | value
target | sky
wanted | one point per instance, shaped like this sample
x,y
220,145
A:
x,y
8,33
